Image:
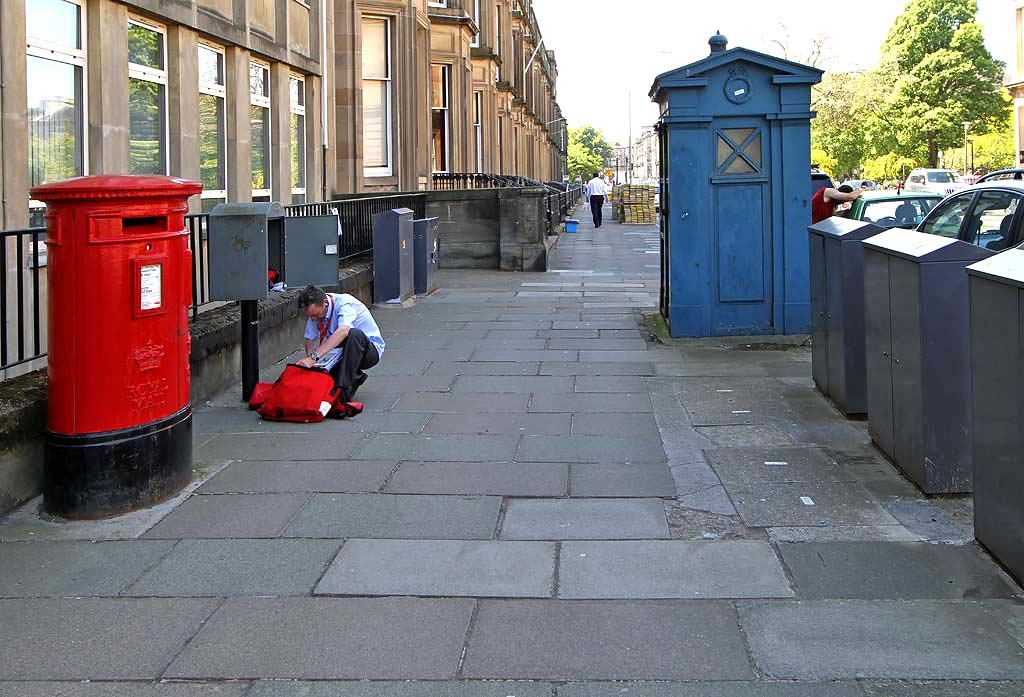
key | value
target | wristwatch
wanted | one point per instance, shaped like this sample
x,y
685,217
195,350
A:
x,y
314,356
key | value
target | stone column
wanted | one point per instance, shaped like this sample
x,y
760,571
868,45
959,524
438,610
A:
x,y
523,229
239,137
314,141
13,119
108,116
280,135
183,105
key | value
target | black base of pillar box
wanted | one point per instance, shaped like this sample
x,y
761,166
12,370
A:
x,y
97,475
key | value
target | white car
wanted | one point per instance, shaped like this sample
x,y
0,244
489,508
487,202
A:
x,y
935,181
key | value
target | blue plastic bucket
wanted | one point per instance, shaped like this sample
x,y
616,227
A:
x,y
570,224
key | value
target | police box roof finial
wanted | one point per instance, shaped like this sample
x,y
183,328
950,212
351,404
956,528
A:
x,y
718,42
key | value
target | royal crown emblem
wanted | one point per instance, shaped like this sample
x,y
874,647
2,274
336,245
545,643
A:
x,y
148,357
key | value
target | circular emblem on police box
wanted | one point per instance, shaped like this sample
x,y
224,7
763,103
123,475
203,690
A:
x,y
737,89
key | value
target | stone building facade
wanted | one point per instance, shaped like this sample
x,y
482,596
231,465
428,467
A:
x,y
1016,87
288,100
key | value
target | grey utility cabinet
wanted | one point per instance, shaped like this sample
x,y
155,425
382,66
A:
x,y
837,310
997,377
425,255
392,256
915,318
245,240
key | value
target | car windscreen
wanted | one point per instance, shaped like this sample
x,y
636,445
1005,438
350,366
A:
x,y
900,212
943,177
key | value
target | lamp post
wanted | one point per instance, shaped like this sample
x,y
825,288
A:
x,y
967,125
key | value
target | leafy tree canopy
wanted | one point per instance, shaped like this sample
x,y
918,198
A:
x,y
591,139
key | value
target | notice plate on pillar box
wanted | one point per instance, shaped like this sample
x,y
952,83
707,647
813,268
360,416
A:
x,y
150,287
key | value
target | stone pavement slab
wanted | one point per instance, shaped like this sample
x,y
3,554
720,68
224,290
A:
x,y
236,420
224,568
481,478
501,424
576,403
750,465
124,689
324,638
917,639
446,568
610,383
752,435
894,570
500,355
599,344
634,425
944,689
439,448
844,533
462,403
266,476
598,369
755,688
627,356
615,479
403,517
309,445
493,384
670,569
401,689
781,505
590,449
95,638
624,323
41,569
410,383
584,519
229,515
641,640
498,368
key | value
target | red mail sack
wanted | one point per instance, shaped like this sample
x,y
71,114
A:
x,y
302,395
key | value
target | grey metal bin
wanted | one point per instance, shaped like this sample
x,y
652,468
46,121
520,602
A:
x,y
425,255
392,256
837,310
997,399
915,317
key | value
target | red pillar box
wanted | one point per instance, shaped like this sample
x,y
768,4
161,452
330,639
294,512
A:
x,y
120,283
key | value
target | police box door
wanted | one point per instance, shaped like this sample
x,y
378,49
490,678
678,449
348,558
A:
x,y
741,211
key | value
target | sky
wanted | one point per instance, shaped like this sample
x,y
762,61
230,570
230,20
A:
x,y
610,51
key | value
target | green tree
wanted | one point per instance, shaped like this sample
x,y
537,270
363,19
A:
x,y
587,152
936,74
582,161
838,142
593,140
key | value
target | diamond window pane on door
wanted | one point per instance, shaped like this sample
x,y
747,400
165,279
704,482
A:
x,y
739,151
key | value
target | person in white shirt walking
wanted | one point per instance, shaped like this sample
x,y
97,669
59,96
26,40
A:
x,y
596,191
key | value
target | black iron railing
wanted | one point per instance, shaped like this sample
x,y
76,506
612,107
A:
x,y
356,211
197,223
558,206
472,180
22,311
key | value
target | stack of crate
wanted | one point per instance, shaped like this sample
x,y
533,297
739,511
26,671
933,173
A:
x,y
638,207
615,199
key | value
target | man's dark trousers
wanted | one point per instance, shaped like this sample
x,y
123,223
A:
x,y
596,203
357,355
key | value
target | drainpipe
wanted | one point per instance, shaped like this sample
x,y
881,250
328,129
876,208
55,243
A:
x,y
323,99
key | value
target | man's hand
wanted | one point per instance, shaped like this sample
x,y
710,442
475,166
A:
x,y
307,362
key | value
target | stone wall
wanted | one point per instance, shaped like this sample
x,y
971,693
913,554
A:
x,y
491,228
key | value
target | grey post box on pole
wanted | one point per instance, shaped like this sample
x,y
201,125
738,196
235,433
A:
x,y
997,387
246,241
425,255
916,323
837,311
392,256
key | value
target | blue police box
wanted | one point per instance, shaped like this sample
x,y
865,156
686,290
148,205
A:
x,y
735,180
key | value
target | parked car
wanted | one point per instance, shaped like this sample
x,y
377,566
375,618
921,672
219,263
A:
x,y
936,181
820,180
988,215
887,209
862,183
1017,174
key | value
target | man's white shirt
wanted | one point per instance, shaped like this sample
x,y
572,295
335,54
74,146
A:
x,y
596,187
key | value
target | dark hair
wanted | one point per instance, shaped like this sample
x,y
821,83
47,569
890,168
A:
x,y
845,189
596,175
311,295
